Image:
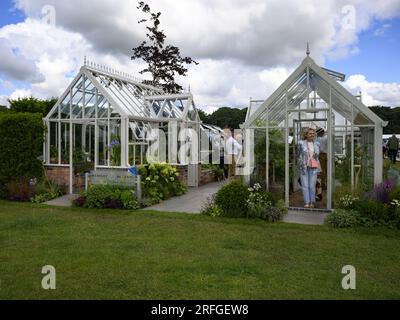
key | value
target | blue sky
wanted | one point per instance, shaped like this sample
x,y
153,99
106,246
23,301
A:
x,y
379,56
8,15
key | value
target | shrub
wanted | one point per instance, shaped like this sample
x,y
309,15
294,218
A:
x,y
341,218
113,203
381,192
347,202
259,201
210,208
346,191
159,182
128,200
272,214
45,191
395,194
21,143
372,211
232,199
20,190
108,196
79,202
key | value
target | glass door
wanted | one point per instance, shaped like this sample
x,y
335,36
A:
x,y
301,185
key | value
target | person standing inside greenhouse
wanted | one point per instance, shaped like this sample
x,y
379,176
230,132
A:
x,y
309,166
393,145
233,150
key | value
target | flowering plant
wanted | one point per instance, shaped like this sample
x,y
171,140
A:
x,y
115,150
257,201
347,201
382,191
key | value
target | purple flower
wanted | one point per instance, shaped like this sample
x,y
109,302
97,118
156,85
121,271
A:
x,y
113,144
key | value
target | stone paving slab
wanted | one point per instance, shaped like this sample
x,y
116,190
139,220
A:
x,y
191,202
63,201
305,217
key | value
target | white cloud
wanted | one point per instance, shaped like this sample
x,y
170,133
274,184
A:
x,y
245,48
380,32
15,66
20,93
4,100
374,93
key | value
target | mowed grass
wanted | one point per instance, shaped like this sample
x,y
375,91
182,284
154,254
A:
x,y
115,254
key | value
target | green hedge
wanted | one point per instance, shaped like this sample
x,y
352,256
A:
x,y
21,142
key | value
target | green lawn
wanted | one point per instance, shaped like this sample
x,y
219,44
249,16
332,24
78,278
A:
x,y
113,254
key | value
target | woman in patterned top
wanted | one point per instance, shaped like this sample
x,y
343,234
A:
x,y
309,166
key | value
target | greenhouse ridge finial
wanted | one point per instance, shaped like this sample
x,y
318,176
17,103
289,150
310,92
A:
x,y
308,48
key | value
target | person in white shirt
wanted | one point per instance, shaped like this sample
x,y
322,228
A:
x,y
233,150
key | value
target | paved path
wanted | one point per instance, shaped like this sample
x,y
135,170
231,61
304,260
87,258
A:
x,y
194,199
64,201
190,202
305,217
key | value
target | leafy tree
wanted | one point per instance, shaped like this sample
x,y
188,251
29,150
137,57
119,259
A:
x,y
227,116
203,116
4,109
163,61
32,105
388,114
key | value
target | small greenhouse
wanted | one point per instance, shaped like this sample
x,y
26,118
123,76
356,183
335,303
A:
x,y
312,97
104,120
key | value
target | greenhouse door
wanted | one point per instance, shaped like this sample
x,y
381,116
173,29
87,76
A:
x,y
299,121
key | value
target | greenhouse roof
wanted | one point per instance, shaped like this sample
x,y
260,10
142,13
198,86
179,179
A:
x,y
309,77
118,94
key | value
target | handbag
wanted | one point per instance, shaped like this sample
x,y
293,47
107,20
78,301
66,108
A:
x,y
314,164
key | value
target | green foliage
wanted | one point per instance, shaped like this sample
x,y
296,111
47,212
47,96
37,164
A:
x,y
388,114
372,211
263,205
115,150
21,143
341,218
226,116
81,164
45,190
4,109
210,208
273,213
232,199
202,115
159,182
395,193
258,201
345,192
108,196
128,199
32,105
163,61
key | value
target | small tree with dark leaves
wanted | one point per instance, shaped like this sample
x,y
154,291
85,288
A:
x,y
163,61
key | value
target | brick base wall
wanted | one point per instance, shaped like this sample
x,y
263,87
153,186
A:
x,y
60,176
205,175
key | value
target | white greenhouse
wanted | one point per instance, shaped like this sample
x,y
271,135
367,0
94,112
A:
x,y
313,97
104,119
